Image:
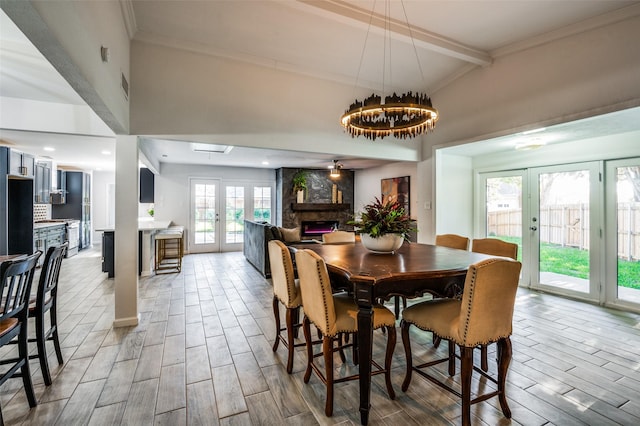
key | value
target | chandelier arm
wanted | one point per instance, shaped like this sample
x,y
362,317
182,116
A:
x,y
406,116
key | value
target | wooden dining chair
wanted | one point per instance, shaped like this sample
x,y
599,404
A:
x,y
339,237
286,290
483,315
46,300
335,315
493,247
452,241
16,278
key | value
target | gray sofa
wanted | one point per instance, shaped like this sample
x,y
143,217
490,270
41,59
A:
x,y
256,239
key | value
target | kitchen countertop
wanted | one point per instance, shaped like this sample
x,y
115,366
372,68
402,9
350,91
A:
x,y
40,225
145,224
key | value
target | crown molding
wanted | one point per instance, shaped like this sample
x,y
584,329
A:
x,y
199,48
129,16
577,28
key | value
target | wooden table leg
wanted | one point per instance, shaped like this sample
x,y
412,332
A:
x,y
365,340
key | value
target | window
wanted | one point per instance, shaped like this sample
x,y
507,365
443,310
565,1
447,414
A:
x,y
262,203
234,214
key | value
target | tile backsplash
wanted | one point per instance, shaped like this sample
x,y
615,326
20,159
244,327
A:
x,y
41,212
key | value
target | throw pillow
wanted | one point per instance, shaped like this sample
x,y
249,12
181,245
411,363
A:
x,y
275,232
290,235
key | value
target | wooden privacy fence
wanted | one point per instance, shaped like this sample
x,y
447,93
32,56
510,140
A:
x,y
568,225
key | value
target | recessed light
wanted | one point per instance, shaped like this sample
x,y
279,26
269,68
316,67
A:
x,y
531,144
106,152
48,148
539,129
265,163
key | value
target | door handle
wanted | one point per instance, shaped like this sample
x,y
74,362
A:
x,y
534,228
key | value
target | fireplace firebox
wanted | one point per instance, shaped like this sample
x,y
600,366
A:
x,y
315,228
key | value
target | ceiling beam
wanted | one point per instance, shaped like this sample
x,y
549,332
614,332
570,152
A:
x,y
401,30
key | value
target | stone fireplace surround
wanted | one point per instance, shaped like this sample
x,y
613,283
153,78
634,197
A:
x,y
317,205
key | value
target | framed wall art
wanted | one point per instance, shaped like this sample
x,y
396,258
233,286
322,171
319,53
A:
x,y
396,189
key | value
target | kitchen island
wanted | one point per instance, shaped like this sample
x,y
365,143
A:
x,y
147,229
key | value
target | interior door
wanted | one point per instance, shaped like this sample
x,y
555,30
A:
x,y
564,229
204,222
623,233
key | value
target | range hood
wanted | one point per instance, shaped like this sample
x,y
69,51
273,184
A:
x,y
59,195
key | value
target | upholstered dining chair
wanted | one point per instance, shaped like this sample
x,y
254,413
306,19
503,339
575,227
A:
x,y
339,237
452,241
16,278
483,315
286,291
334,315
46,300
493,247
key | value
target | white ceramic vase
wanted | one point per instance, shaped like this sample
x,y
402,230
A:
x,y
300,196
388,243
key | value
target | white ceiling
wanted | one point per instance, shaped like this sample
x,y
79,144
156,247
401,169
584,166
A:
x,y
323,39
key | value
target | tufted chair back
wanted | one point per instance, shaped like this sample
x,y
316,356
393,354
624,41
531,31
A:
x,y
495,247
453,241
486,311
317,298
284,285
339,237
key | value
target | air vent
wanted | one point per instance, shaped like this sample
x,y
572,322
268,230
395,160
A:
x,y
125,86
211,148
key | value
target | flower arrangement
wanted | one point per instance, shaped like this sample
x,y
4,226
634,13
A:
x,y
379,219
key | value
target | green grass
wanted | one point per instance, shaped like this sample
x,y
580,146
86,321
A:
x,y
574,262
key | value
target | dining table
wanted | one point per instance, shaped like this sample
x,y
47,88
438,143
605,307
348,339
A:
x,y
411,271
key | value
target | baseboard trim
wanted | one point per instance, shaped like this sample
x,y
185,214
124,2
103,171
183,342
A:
x,y
126,322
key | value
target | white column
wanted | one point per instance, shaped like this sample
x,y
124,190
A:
x,y
126,234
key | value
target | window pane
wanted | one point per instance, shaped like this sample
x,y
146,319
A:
x,y
205,214
262,203
628,209
234,214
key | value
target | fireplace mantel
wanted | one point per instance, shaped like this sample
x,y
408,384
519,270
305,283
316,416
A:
x,y
319,207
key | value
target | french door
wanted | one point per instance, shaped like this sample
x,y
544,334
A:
x,y
504,201
204,217
578,234
565,229
623,233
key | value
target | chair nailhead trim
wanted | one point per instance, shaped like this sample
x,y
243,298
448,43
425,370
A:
x,y
324,293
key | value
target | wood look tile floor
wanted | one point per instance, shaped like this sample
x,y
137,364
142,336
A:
x,y
201,355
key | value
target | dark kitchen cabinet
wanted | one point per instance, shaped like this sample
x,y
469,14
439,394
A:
x,y
108,247
20,164
108,262
146,185
16,207
42,193
77,204
48,236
